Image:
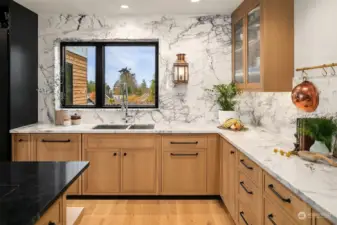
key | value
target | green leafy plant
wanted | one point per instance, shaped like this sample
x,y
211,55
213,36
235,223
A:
x,y
225,95
320,129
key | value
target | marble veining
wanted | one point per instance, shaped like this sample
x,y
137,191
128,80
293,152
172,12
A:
x,y
35,186
316,184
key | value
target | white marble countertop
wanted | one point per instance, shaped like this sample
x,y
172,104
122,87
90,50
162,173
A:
x,y
315,184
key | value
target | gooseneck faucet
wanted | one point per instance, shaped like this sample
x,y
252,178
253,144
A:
x,y
125,102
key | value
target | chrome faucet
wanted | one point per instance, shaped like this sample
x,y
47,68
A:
x,y
125,102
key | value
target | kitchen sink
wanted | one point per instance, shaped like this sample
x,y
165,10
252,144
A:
x,y
141,127
111,126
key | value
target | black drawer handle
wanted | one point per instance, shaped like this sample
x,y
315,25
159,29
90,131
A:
x,y
271,187
56,141
21,140
270,217
242,214
184,143
115,154
244,188
243,163
125,154
181,154
232,152
51,223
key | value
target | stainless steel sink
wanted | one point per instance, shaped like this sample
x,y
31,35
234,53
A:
x,y
142,127
111,126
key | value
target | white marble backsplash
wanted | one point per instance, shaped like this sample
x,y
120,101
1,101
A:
x,y
207,42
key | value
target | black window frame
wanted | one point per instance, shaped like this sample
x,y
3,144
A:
x,y
100,72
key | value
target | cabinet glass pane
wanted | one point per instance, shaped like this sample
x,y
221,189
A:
x,y
238,54
254,46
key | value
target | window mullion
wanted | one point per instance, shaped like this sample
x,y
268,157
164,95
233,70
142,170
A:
x,y
99,77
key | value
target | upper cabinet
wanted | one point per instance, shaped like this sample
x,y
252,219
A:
x,y
263,45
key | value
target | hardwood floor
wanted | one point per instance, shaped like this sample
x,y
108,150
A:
x,y
152,212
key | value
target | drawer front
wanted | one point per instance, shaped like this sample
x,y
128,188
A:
x,y
100,141
184,173
253,171
250,195
21,148
246,216
184,142
54,215
273,215
286,199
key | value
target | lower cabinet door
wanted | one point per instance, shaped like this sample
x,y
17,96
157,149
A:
x,y
273,214
184,173
103,175
138,171
247,216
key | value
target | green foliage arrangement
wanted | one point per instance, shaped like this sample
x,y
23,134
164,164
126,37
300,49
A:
x,y
225,95
320,129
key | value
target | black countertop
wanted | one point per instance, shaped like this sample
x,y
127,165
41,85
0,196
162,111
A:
x,y
28,189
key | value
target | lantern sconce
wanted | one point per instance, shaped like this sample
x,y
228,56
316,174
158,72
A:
x,y
180,70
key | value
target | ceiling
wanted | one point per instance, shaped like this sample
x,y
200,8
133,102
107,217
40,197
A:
x,y
136,7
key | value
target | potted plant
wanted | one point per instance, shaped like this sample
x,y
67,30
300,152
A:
x,y
322,131
225,95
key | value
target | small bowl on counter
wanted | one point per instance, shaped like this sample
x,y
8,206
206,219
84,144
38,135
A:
x,y
76,119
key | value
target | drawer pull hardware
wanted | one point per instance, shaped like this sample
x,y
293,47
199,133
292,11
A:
x,y
184,143
125,154
115,153
51,223
54,141
243,217
244,188
21,140
271,187
181,154
232,152
270,217
243,163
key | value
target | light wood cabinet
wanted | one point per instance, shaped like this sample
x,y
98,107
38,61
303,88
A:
x,y
318,219
58,147
273,214
229,178
263,45
138,171
56,214
103,175
184,172
21,149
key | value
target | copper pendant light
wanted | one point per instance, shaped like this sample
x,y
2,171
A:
x,y
305,96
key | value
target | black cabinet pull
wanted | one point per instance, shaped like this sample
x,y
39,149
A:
x,y
56,141
125,153
270,217
232,152
271,187
183,154
184,143
242,184
21,140
243,163
242,214
115,153
51,223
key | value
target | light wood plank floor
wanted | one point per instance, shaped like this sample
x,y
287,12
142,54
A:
x,y
152,212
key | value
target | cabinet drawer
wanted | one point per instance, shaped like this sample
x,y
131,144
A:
x,y
318,219
184,142
54,214
246,216
273,214
21,148
99,141
290,203
251,196
184,172
253,171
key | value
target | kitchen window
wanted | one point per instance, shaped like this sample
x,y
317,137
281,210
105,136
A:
x,y
92,74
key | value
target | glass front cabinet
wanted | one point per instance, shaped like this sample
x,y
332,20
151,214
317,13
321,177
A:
x,y
263,45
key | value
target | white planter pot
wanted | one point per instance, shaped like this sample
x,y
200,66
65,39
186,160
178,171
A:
x,y
225,115
319,147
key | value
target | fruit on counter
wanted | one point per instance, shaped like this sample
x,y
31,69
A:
x,y
233,124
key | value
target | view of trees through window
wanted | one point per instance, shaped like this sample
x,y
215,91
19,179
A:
x,y
132,65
